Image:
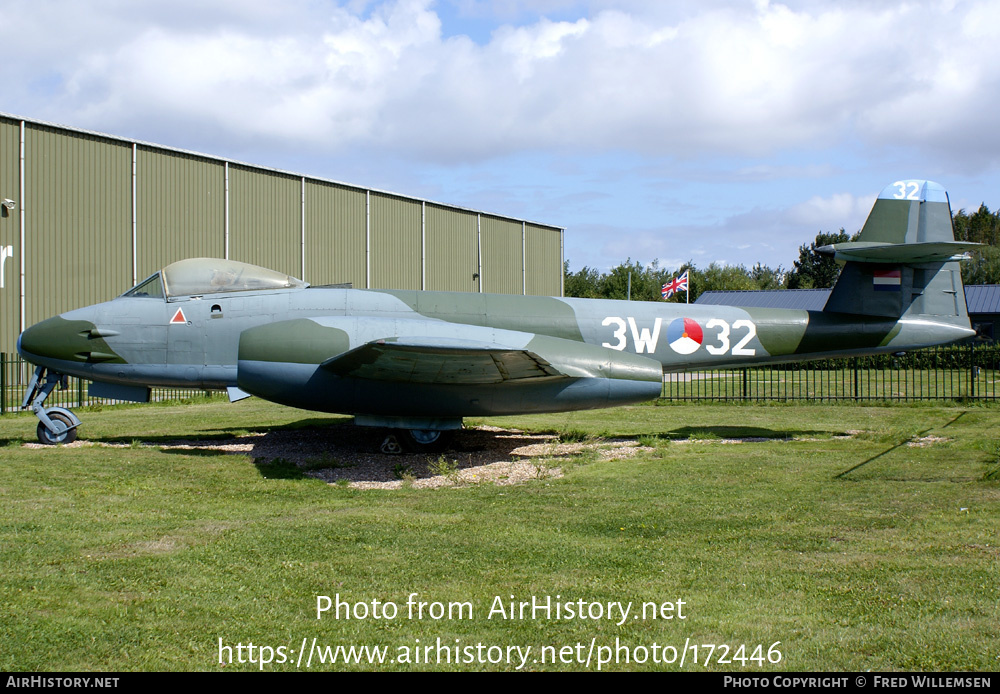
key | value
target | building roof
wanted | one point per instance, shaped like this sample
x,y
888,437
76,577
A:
x,y
808,299
980,298
983,298
257,167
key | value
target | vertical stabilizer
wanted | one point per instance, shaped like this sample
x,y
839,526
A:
x,y
905,262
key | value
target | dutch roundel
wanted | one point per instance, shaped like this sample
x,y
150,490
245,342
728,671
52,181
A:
x,y
684,336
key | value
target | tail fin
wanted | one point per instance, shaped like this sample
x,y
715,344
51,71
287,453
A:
x,y
905,262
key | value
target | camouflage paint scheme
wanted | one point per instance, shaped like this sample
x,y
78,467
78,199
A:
x,y
424,360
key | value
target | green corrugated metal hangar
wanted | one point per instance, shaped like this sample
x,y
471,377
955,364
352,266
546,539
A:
x,y
84,216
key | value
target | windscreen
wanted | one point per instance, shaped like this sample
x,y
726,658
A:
x,y
148,289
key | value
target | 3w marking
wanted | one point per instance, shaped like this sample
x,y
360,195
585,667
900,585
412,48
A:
x,y
645,340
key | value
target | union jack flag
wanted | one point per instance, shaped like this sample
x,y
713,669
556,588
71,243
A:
x,y
676,284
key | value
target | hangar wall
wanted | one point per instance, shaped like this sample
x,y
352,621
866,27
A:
x,y
91,214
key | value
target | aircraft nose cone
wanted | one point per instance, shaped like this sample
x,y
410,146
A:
x,y
64,340
45,339
31,342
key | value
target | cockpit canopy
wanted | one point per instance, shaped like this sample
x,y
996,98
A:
x,y
198,276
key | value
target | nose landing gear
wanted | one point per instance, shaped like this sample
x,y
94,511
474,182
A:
x,y
55,424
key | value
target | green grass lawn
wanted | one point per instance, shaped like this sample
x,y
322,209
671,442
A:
x,y
832,536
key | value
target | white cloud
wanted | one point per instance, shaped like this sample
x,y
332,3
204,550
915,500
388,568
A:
x,y
840,210
724,77
768,235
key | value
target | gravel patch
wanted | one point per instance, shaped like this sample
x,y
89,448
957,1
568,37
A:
x,y
345,454
925,441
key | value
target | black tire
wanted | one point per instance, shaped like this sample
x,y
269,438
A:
x,y
49,439
426,441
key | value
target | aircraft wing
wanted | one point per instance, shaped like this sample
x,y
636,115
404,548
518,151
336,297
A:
x,y
412,367
440,360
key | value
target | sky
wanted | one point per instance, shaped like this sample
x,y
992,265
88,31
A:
x,y
721,131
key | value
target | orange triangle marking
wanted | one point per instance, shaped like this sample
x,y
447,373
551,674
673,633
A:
x,y
178,317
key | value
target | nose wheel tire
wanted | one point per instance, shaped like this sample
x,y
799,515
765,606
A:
x,y
49,439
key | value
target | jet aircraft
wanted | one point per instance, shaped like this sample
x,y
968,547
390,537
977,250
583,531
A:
x,y
420,361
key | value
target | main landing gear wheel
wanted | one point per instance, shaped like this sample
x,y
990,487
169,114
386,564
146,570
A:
x,y
49,439
416,441
427,440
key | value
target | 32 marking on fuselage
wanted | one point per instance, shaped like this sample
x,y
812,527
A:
x,y
688,338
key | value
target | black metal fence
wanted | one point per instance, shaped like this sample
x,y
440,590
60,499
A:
x,y
15,374
963,372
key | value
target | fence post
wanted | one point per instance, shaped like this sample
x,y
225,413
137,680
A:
x,y
3,383
972,369
745,375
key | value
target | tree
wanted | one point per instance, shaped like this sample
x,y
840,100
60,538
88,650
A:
x,y
769,278
721,278
615,284
814,270
656,277
585,283
982,226
984,268
648,280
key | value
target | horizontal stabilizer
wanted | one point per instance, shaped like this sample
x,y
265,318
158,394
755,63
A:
x,y
902,253
439,360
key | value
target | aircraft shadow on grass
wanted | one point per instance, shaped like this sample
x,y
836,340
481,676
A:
x,y
742,432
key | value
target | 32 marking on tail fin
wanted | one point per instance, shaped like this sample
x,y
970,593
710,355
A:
x,y
907,190
915,190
